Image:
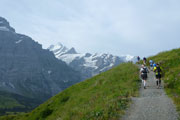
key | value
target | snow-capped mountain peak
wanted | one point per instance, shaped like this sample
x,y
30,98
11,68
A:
x,y
88,64
58,49
128,58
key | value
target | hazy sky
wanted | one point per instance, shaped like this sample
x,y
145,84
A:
x,y
120,27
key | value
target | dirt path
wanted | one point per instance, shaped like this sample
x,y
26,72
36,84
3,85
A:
x,y
152,104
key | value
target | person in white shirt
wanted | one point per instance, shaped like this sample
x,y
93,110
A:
x,y
143,72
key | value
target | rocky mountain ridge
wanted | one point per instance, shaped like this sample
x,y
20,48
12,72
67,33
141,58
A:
x,y
88,64
28,70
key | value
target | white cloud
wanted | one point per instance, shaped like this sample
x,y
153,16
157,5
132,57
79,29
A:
x,y
135,27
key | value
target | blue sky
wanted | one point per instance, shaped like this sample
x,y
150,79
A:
x,y
120,27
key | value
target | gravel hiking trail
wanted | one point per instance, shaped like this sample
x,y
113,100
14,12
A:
x,y
152,104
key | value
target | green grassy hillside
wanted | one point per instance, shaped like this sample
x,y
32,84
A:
x,y
104,96
170,62
10,102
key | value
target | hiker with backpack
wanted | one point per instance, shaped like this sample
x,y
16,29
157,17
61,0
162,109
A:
x,y
151,62
143,72
144,60
154,65
158,72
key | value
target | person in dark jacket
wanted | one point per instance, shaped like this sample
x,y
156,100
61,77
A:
x,y
158,72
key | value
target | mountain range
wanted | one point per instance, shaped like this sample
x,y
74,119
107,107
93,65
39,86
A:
x,y
108,95
28,70
29,74
88,64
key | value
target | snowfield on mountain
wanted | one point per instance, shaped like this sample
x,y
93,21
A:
x,y
88,64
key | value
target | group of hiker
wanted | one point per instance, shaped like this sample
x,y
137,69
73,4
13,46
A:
x,y
153,67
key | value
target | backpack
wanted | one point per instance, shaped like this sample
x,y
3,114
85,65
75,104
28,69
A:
x,y
144,71
158,70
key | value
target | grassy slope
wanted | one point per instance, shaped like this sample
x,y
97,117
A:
x,y
10,102
7,102
170,62
104,96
